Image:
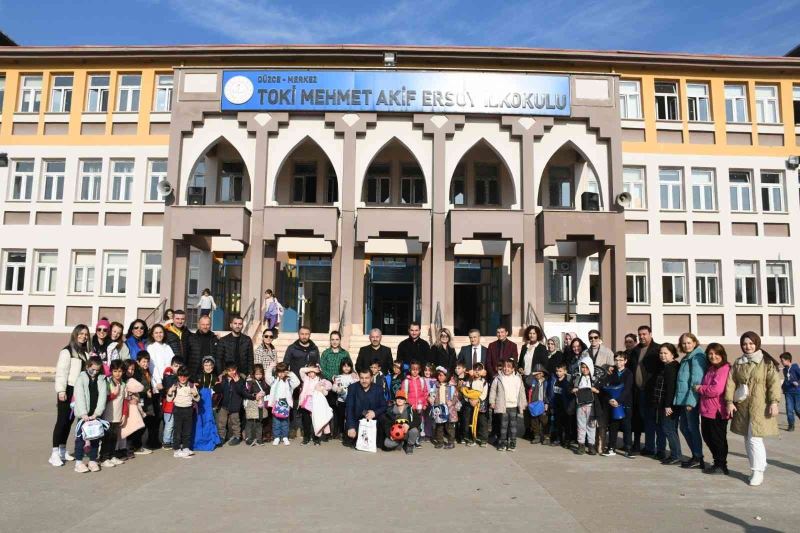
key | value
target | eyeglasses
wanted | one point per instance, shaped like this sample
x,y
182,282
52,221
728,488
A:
x,y
593,337
138,327
268,337
98,330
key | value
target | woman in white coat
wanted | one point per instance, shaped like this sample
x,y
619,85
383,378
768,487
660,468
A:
x,y
71,362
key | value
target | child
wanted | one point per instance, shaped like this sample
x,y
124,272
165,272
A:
x,y
206,437
460,379
475,391
620,386
310,376
113,415
169,379
429,374
233,393
585,392
560,397
254,410
507,399
401,415
416,389
183,395
152,422
341,382
282,386
379,379
537,404
444,409
395,380
663,396
791,388
90,402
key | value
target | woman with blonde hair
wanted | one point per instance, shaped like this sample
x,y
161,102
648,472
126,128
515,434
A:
x,y
443,353
690,374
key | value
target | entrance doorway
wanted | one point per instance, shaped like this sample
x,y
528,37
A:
x,y
305,292
392,294
393,307
477,298
226,282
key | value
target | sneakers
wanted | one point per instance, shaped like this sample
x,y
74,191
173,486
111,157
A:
x,y
609,453
512,446
590,450
259,442
409,449
235,441
694,462
117,461
470,444
182,454
276,441
142,451
93,466
65,455
108,463
482,444
55,459
188,452
449,446
757,478
305,442
81,468
286,441
669,461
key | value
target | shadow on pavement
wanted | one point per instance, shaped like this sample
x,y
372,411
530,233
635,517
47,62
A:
x,y
741,523
777,464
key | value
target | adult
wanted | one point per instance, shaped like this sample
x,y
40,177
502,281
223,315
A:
x,y
498,352
555,357
101,340
568,337
752,394
413,348
178,334
714,415
271,310
202,344
374,350
572,356
302,352
206,303
474,352
331,359
136,339
631,351
364,400
442,353
690,373
648,366
160,355
235,347
71,362
166,318
631,341
533,350
601,355
266,355
117,349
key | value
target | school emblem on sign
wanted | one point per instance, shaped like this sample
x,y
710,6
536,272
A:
x,y
238,89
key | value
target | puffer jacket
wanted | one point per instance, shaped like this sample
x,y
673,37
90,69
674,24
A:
x,y
690,373
82,398
68,368
229,347
712,392
764,387
200,345
497,396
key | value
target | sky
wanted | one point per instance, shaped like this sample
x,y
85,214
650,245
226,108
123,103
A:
x,y
703,26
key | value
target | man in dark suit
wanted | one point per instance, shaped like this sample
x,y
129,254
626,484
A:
x,y
648,367
498,352
474,352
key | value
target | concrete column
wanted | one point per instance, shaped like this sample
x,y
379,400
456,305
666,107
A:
x,y
180,274
268,267
425,287
336,265
613,298
517,316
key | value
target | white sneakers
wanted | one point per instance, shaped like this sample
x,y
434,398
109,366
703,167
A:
x,y
286,441
188,452
757,478
108,463
81,468
117,461
276,442
93,466
65,455
184,453
55,459
143,451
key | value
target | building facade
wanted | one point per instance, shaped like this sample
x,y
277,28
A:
x,y
665,192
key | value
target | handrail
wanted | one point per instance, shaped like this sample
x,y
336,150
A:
x,y
531,318
342,317
248,316
437,323
158,312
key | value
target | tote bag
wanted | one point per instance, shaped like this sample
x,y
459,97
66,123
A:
x,y
367,433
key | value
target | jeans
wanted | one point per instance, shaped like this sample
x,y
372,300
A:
x,y
280,428
690,428
715,436
508,427
559,427
792,406
182,427
80,443
169,424
411,438
63,422
613,431
756,452
669,426
654,440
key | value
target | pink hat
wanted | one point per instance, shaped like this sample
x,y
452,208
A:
x,y
103,323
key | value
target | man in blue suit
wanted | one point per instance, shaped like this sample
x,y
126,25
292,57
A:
x,y
364,400
474,352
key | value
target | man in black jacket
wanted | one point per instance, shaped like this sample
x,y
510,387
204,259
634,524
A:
x,y
300,354
648,366
375,350
236,347
414,348
203,343
178,334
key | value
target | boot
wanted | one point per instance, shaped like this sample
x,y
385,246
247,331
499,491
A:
x,y
581,449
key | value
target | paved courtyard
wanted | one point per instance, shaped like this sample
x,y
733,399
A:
x,y
336,489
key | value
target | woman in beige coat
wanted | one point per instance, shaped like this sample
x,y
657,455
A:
x,y
751,396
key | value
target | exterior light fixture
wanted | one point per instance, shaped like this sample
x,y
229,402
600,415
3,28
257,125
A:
x,y
389,59
792,162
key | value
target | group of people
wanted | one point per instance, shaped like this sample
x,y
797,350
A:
x,y
166,386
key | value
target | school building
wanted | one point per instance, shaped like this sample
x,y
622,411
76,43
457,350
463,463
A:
x,y
371,186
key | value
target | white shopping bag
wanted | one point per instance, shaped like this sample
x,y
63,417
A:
x,y
321,412
367,433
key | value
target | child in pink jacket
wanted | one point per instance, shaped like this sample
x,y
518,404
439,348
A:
x,y
713,414
312,381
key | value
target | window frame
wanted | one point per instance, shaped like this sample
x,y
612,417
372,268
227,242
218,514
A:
x,y
379,181
412,178
101,92
2,91
50,271
58,179
154,178
34,105
770,190
561,176
712,185
484,183
671,101
693,102
771,103
739,278
95,183
88,270
567,281
65,92
703,294
132,93
626,187
786,277
26,181
119,272
671,188
18,270
739,188
732,111
166,89
673,277
795,104
154,270
594,278
307,178
232,178
633,282
628,97
125,181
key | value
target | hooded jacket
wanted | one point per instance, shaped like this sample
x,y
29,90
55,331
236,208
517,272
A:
x,y
690,373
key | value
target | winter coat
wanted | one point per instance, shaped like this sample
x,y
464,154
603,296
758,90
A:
x,y
135,346
648,366
441,356
662,389
360,401
603,356
251,406
298,356
282,389
497,396
394,415
413,350
118,351
416,391
554,360
450,397
712,392
532,357
82,398
366,354
114,402
178,340
791,379
626,380
341,383
764,387
233,394
68,368
237,349
265,356
309,386
690,373
200,345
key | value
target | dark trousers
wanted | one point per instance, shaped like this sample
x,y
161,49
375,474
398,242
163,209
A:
x,y
153,424
637,423
462,426
715,435
613,431
308,426
441,430
559,426
63,422
252,429
108,447
295,417
135,439
539,427
182,427
482,429
669,426
79,448
338,415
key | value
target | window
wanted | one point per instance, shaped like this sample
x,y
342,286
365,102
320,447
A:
x,y
746,282
151,273
378,184
673,282
305,183
198,178
487,186
116,272
194,273
630,101
2,92
560,188
636,281
594,280
82,281
633,184
30,94
14,270
61,94
772,191
779,286
22,180
128,95
231,182
666,100
121,181
158,173
97,95
767,110
741,191
412,185
53,181
91,177
707,282
458,189
46,271
562,280
702,190
795,101
163,93
699,108
735,103
332,193
669,182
